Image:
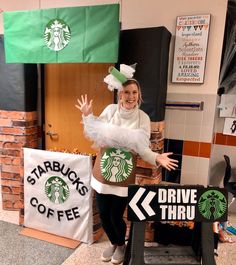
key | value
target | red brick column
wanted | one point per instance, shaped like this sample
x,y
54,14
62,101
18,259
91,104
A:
x,y
17,130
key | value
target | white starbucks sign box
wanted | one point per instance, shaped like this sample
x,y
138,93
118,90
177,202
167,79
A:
x,y
57,193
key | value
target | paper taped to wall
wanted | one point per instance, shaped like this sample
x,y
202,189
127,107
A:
x,y
228,106
230,126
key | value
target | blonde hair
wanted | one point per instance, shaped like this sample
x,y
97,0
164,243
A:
x,y
130,82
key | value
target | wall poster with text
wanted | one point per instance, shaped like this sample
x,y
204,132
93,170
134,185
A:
x,y
190,48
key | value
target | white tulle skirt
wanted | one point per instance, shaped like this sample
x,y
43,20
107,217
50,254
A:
x,y
104,134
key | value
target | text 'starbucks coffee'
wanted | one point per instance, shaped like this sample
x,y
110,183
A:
x,y
56,189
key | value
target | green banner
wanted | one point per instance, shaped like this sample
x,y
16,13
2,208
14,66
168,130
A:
x,y
62,35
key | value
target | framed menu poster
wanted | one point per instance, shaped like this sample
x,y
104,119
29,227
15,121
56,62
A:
x,y
190,48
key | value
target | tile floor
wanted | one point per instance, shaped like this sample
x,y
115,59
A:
x,y
90,254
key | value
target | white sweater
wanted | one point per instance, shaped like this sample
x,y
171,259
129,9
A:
x,y
126,120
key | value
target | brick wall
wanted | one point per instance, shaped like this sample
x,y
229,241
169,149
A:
x,y
17,130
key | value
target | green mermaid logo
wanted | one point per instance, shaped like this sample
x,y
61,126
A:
x,y
116,165
212,204
56,190
57,34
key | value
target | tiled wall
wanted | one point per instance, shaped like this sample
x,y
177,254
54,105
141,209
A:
x,y
191,125
190,135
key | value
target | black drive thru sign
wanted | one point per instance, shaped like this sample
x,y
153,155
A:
x,y
177,203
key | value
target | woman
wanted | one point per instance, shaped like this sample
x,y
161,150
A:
x,y
122,131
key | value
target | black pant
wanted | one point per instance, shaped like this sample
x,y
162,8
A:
x,y
111,209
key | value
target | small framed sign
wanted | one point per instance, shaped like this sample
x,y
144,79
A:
x,y
230,126
190,48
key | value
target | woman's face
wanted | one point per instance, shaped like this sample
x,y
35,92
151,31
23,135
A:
x,y
116,161
129,96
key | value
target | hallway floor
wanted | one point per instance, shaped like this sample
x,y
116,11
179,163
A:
x,y
90,254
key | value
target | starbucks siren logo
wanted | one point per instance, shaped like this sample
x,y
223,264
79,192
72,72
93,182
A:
x,y
56,190
116,165
57,34
212,203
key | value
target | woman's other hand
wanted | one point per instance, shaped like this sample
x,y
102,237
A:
x,y
167,162
84,106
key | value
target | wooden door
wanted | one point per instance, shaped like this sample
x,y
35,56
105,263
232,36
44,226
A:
x,y
64,83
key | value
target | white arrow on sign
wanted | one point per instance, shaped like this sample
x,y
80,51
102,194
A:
x,y
145,203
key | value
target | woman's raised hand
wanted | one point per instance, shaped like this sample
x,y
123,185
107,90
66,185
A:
x,y
84,106
167,162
